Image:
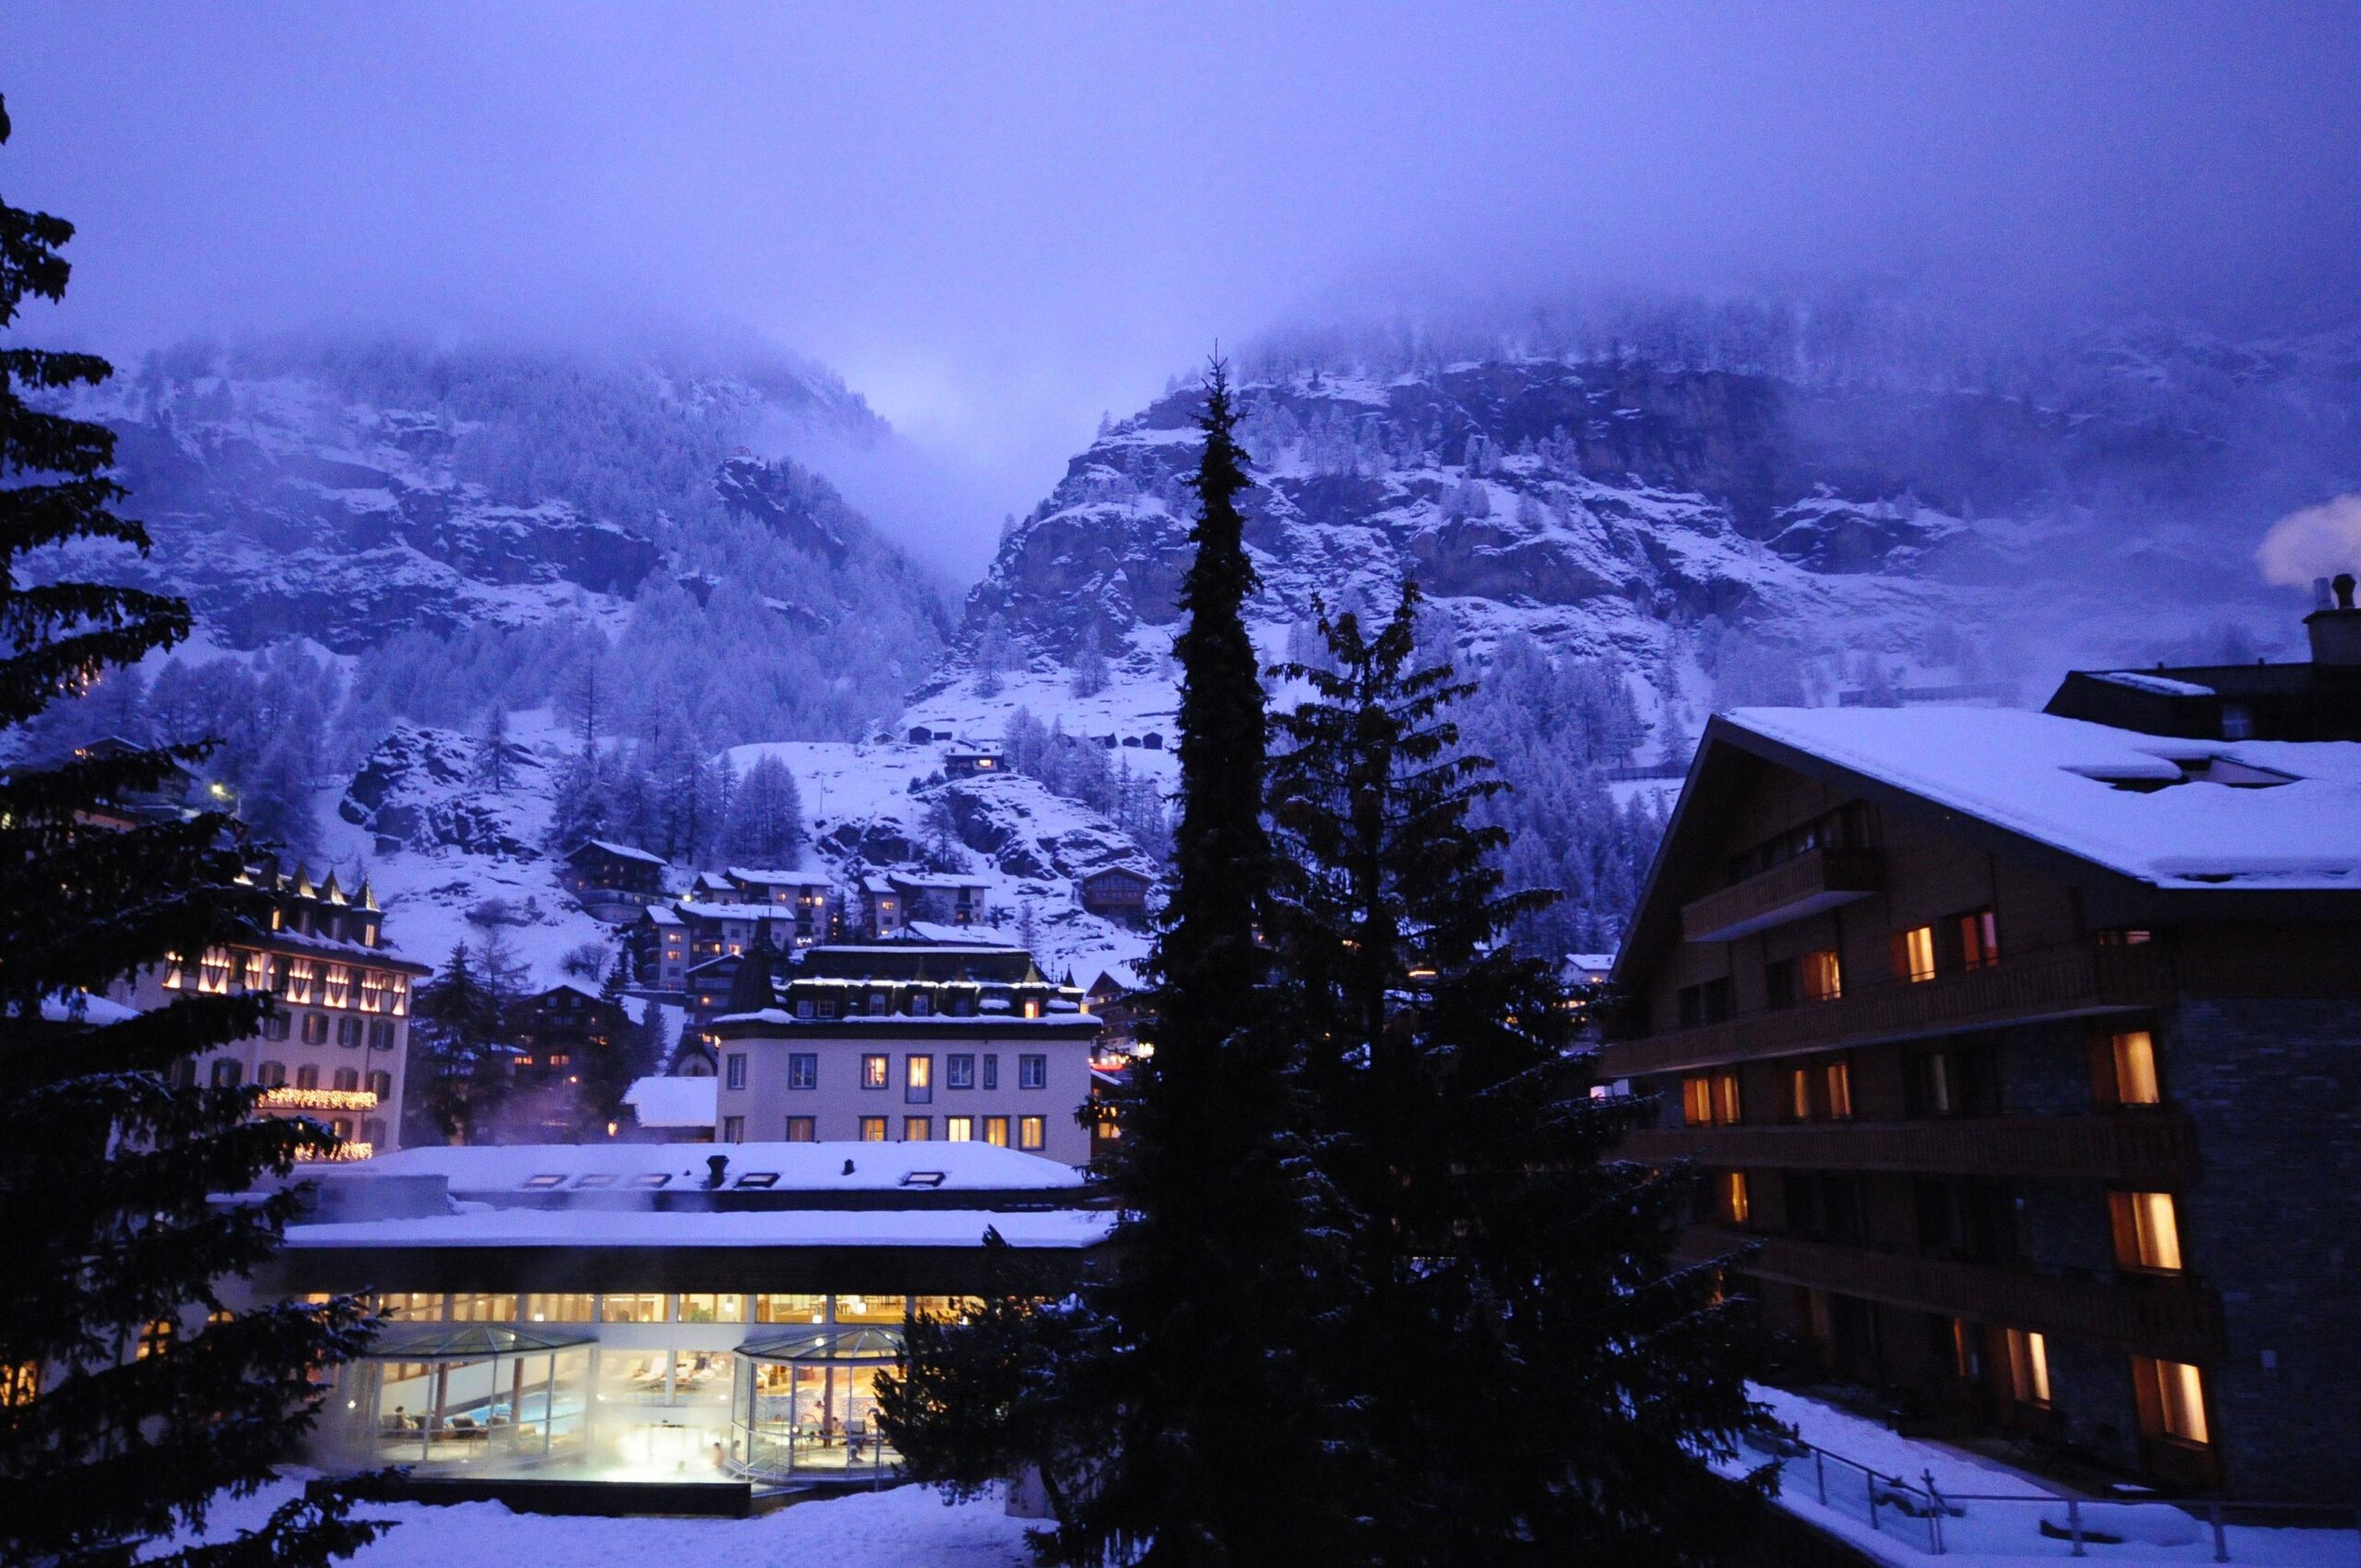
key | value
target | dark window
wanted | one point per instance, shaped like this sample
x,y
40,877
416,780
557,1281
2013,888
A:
x,y
1979,939
1782,983
1952,1080
737,1069
1032,1072
226,1073
307,1076
348,1032
347,1079
382,1086
959,1072
1708,1003
381,1033
991,1071
803,1070
799,1130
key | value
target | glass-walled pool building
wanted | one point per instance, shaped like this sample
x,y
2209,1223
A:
x,y
655,1314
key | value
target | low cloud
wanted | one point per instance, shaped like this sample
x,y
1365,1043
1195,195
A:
x,y
2319,541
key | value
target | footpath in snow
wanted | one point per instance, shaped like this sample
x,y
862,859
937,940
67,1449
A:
x,y
1869,1486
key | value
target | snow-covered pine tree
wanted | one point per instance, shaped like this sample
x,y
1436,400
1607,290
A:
x,y
494,769
1090,663
455,1052
132,1403
1513,1277
766,826
1171,1409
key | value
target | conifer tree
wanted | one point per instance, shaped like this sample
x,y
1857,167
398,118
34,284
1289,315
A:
x,y
1511,1278
1171,1409
610,1072
129,1403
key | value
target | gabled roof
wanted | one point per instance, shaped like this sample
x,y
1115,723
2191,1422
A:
x,y
2176,826
620,852
781,878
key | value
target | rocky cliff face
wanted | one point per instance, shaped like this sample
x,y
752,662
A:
x,y
424,789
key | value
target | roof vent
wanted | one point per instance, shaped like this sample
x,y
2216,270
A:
x,y
716,1170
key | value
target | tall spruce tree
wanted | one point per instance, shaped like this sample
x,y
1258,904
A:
x,y
129,1401
1530,1382
1172,1409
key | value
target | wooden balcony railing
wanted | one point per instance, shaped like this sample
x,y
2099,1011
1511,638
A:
x,y
2157,1146
2025,989
1817,880
2177,1319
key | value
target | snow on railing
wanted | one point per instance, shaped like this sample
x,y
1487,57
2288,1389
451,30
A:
x,y
2033,1524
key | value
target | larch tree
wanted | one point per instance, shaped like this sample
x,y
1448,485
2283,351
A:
x,y
131,1402
1510,1276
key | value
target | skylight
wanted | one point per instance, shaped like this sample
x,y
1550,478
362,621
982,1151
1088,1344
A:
x,y
650,1179
923,1179
758,1179
545,1181
595,1179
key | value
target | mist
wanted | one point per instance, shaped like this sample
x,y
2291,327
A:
x,y
998,225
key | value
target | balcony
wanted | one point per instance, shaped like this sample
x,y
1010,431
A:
x,y
1816,880
2174,1319
2068,983
2158,1148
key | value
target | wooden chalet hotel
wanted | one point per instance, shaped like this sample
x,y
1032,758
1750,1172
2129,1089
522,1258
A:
x,y
2022,1053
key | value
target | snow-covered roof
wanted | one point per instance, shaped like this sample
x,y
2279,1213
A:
x,y
83,1007
941,936
700,910
934,884
781,878
488,1172
578,987
662,914
2163,810
621,851
2163,685
674,1102
760,1228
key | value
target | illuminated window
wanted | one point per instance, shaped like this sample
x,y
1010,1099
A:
x,y
1032,1006
873,1129
213,971
1798,1093
338,987
19,1384
483,1307
398,995
917,1080
173,980
712,1309
2172,1399
2135,1069
874,1072
2147,1232
996,1131
917,1129
790,1309
575,1307
1913,953
2028,1367
959,1128
641,1308
800,1130
373,990
155,1339
1031,1131
1710,1099
302,979
1736,1205
1979,940
1822,975
1839,1091
258,967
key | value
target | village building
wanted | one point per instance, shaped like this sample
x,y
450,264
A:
x,y
968,762
555,1035
334,1050
612,881
2017,1052
811,896
941,900
689,1325
659,941
670,1109
908,1041
1117,893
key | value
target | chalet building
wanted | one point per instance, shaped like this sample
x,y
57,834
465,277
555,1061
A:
x,y
659,941
612,881
943,900
2019,1056
909,1042
1117,893
719,930
960,762
2314,701
179,795
809,896
880,913
556,1034
335,1049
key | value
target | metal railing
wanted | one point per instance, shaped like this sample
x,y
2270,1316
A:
x,y
1921,1515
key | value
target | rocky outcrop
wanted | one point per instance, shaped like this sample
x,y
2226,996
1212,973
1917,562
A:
x,y
793,502
425,788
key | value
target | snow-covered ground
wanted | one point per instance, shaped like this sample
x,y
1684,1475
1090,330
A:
x,y
907,1526
2000,1511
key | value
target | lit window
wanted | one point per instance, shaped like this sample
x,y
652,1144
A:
x,y
874,1072
1799,1095
373,990
2181,1399
1735,1203
302,977
873,1129
1031,1131
19,1384
800,1130
996,1131
2147,1232
337,988
1697,1101
155,1339
2028,1367
1913,953
1823,976
917,1080
959,1128
917,1129
213,971
2135,1069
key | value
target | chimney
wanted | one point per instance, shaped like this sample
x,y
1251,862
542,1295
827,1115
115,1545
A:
x,y
2336,631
